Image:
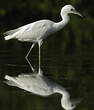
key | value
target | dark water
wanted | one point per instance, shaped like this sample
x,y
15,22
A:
x,y
68,65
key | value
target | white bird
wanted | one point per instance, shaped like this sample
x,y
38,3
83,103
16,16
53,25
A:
x,y
37,31
40,85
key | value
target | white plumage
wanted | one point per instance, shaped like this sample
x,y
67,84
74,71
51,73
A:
x,y
32,32
37,31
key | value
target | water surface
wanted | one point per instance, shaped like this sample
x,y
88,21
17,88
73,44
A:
x,y
70,66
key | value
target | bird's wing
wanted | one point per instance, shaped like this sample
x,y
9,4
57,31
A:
x,y
20,30
11,83
16,32
11,31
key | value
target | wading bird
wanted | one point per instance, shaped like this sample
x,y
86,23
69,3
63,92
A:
x,y
37,31
38,84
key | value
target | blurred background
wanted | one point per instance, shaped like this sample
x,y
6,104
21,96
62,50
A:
x,y
67,57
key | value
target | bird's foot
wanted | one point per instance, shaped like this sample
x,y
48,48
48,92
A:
x,y
40,72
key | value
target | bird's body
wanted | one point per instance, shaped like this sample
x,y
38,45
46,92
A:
x,y
40,85
37,31
33,83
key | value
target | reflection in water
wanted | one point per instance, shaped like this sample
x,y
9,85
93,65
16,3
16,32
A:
x,y
40,85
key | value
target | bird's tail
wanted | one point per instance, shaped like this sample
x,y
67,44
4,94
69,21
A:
x,y
11,34
8,37
11,81
8,77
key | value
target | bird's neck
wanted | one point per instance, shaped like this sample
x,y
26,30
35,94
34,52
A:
x,y
59,89
61,24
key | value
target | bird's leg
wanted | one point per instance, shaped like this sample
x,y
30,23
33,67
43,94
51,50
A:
x,y
26,57
39,44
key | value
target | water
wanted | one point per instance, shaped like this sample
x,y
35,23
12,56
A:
x,y
65,64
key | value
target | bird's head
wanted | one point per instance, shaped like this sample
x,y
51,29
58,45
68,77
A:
x,y
67,9
67,104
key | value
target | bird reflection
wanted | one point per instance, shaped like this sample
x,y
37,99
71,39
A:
x,y
40,85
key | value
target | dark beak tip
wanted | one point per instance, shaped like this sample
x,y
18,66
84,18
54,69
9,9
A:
x,y
84,17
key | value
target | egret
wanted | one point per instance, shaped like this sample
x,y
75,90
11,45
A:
x,y
37,31
40,85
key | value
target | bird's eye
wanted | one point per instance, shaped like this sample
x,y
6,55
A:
x,y
72,9
72,105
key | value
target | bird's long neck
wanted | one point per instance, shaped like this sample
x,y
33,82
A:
x,y
59,89
61,24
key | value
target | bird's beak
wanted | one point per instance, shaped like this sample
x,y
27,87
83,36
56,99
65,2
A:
x,y
77,13
76,101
